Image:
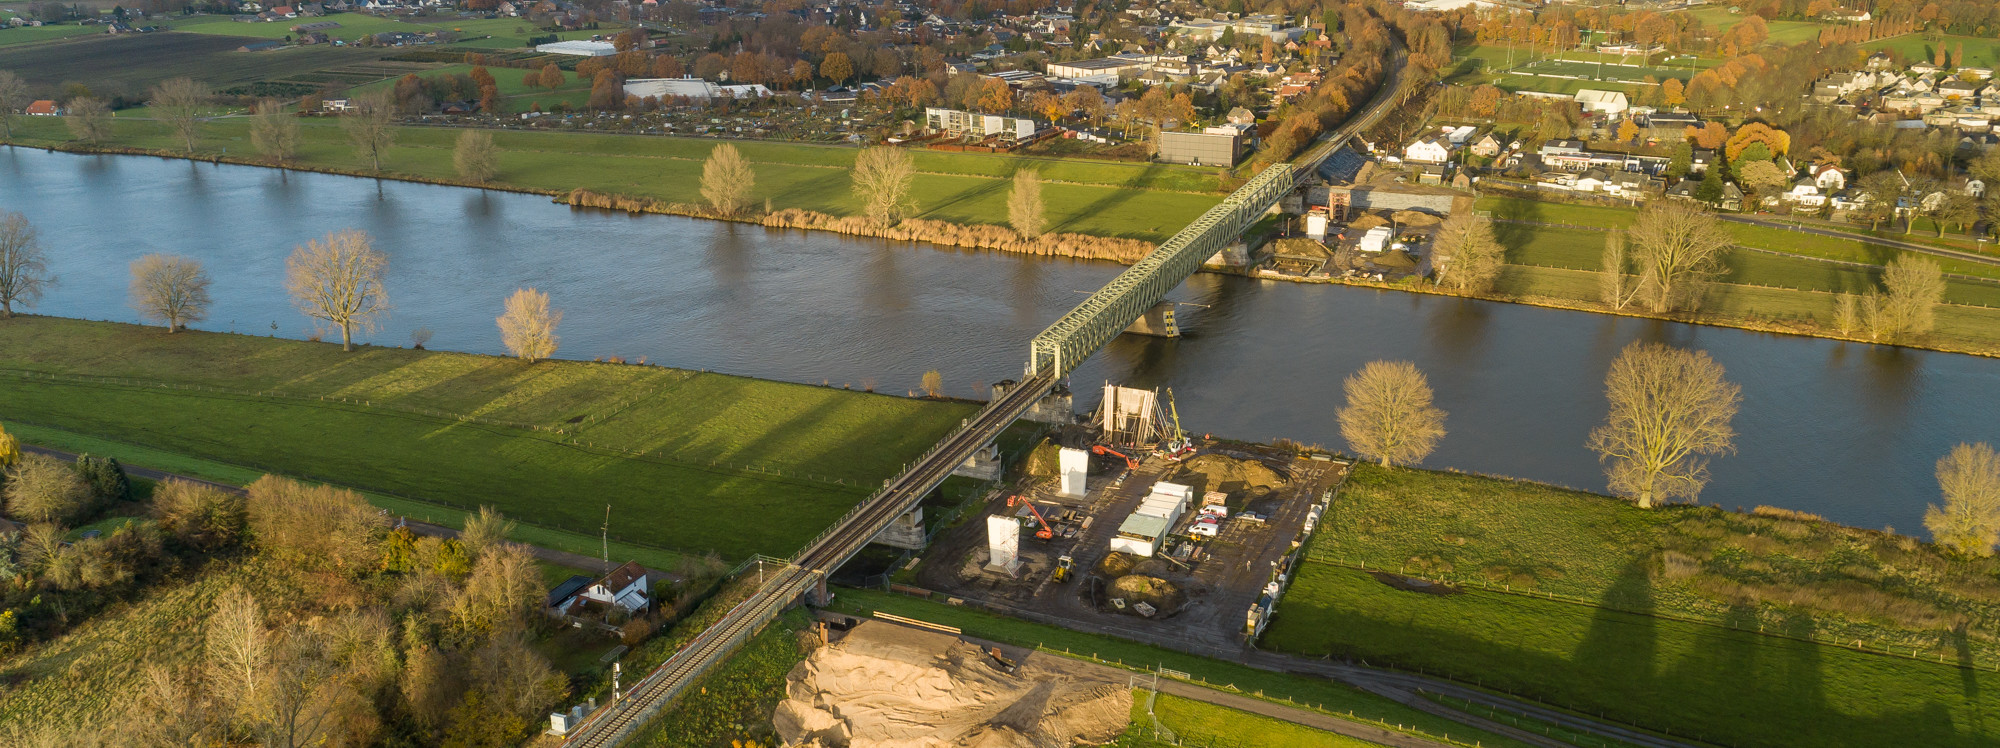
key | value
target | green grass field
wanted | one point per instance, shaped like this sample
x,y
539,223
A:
x,y
1204,725
736,699
1329,696
680,456
1657,620
1782,32
28,34
473,32
1140,201
1979,52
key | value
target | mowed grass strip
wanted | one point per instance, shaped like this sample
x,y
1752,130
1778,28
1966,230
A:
x,y
128,64
681,458
1098,198
1716,684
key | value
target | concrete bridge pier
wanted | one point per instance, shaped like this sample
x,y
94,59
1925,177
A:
x,y
982,465
1157,322
906,531
1056,408
818,596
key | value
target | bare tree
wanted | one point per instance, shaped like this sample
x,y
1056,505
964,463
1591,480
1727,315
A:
x,y
484,531
1847,313
726,179
238,651
369,122
339,281
305,696
170,288
177,102
499,595
1614,286
882,177
1678,248
933,383
1914,287
13,97
1466,257
24,269
1670,411
88,120
1969,521
1389,417
40,488
1024,204
528,327
475,157
168,709
273,132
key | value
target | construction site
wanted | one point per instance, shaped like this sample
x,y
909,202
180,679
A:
x,y
1127,522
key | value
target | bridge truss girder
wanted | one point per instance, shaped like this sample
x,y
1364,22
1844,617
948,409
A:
x,y
1070,340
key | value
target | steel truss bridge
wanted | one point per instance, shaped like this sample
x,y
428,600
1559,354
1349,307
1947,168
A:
x,y
1052,355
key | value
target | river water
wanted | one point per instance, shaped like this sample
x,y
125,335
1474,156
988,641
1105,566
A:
x,y
1844,430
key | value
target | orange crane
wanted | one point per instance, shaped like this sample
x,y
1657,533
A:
x,y
1130,463
1047,532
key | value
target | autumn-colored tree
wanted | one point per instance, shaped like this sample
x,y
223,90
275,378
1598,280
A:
x,y
1754,133
995,96
836,68
668,66
1628,131
1969,521
551,77
1024,204
1466,257
1673,92
1710,136
605,92
882,177
489,90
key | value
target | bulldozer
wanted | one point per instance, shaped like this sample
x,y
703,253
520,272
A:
x,y
1065,566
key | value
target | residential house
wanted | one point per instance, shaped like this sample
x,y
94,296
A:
x,y
1828,177
1487,146
1630,185
1430,149
1700,160
560,597
1565,154
1591,180
1670,126
1732,197
1805,193
43,108
627,587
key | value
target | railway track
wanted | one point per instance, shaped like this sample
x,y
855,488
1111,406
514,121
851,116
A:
x,y
806,571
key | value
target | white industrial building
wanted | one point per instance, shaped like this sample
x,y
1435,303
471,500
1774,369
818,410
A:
x,y
958,124
1142,533
579,48
1104,71
693,88
1376,240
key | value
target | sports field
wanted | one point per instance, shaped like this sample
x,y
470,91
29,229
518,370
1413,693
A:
x,y
1782,32
1979,52
681,457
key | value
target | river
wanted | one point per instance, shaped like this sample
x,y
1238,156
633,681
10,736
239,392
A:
x,y
1844,430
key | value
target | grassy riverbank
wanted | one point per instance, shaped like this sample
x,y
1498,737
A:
x,y
1750,629
1137,201
681,457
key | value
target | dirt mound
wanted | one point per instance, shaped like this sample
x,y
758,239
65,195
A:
x,y
1412,218
1162,595
1367,222
1045,460
1214,472
885,686
1300,248
1117,564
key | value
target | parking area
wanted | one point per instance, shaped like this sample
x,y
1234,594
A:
x,y
1103,566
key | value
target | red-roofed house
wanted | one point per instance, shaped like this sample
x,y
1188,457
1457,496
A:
x,y
44,108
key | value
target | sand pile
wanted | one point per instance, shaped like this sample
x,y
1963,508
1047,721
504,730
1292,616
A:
x,y
1045,460
1300,248
1214,472
1412,218
1164,596
885,686
1366,222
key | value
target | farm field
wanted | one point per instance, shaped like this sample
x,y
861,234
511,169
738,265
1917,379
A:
x,y
1139,201
1979,52
678,455
127,65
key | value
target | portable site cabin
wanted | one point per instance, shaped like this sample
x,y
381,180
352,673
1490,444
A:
x,y
1142,532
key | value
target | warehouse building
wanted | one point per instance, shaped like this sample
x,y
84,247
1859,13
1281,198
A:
x,y
1222,145
1142,533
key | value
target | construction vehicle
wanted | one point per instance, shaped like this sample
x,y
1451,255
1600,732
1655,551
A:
x,y
1064,566
1130,464
1000,661
1178,446
1047,532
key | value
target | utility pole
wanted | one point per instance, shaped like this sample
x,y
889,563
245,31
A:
x,y
605,538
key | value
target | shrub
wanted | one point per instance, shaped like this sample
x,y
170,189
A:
x,y
199,515
107,479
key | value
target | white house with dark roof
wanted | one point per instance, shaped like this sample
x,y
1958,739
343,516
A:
x,y
626,587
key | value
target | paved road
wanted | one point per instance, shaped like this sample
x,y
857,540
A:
x,y
551,555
